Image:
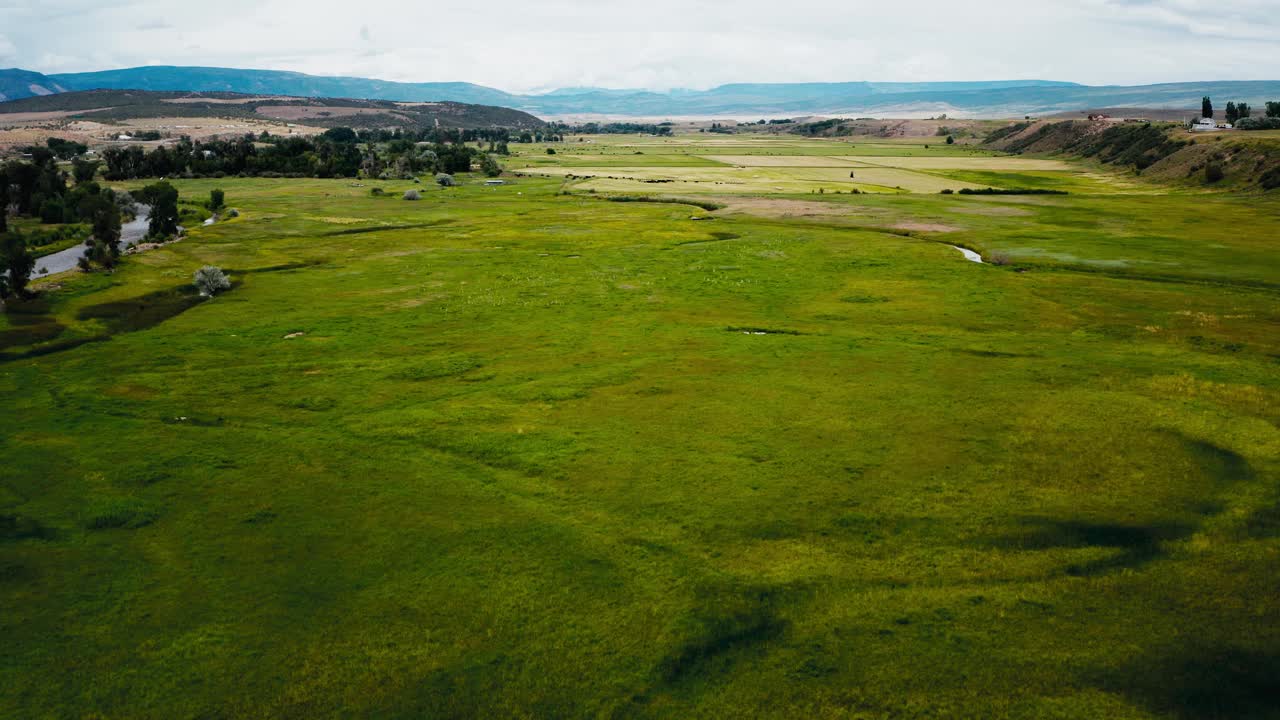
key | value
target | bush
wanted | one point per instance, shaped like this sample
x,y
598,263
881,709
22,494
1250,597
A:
x,y
1270,180
412,195
217,200
52,211
551,151
210,281
445,180
377,192
1213,173
999,258
1258,123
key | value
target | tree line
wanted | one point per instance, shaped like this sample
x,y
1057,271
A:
x,y
1240,114
338,152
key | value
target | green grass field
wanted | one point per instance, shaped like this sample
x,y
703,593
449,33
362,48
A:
x,y
510,452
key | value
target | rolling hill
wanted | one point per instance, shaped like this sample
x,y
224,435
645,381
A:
x,y
1007,98
117,105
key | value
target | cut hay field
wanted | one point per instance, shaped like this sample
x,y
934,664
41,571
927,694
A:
x,y
689,164
522,451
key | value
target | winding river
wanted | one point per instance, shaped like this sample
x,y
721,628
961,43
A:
x,y
131,233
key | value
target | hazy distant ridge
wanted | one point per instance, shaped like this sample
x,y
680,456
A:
x,y
989,98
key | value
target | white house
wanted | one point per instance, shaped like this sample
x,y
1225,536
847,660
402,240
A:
x,y
1204,125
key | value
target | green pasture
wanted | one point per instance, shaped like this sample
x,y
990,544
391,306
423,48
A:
x,y
512,452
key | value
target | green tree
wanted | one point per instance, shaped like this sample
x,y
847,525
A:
x,y
217,200
1273,109
106,223
163,199
52,211
1232,113
951,140
16,264
1206,107
83,170
1243,110
489,166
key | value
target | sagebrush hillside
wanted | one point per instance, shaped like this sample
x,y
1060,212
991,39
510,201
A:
x,y
119,105
1158,151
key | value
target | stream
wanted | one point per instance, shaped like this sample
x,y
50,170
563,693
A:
x,y
131,233
969,254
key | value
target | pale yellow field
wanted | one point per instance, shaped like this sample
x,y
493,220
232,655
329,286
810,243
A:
x,y
749,180
783,160
1008,164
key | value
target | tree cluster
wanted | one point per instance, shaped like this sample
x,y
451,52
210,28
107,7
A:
x,y
338,152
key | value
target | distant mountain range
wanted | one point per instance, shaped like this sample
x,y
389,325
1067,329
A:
x,y
1008,98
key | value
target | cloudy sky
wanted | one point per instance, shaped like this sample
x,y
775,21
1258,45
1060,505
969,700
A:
x,y
523,46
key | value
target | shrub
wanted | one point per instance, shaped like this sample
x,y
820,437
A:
x,y
999,258
1258,123
445,180
947,191
216,200
412,195
1270,180
1213,173
377,192
210,281
551,151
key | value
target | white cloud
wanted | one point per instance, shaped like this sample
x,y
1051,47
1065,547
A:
x,y
664,43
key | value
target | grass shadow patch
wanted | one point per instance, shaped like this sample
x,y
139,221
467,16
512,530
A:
x,y
119,512
143,312
1218,463
434,368
21,527
385,228
32,334
729,621
53,347
715,238
1202,683
748,330
1134,545
993,353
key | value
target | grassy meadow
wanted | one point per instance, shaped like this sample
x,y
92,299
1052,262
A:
x,y
524,452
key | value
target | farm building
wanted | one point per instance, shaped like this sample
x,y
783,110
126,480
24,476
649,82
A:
x,y
1204,125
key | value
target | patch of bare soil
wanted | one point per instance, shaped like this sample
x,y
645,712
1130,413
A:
x,y
26,117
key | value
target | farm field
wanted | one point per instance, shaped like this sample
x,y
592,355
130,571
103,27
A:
x,y
782,165
522,451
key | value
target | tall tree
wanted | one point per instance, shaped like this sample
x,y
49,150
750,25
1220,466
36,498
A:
x,y
1273,109
1206,107
84,170
1232,114
1243,110
163,199
4,200
17,264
